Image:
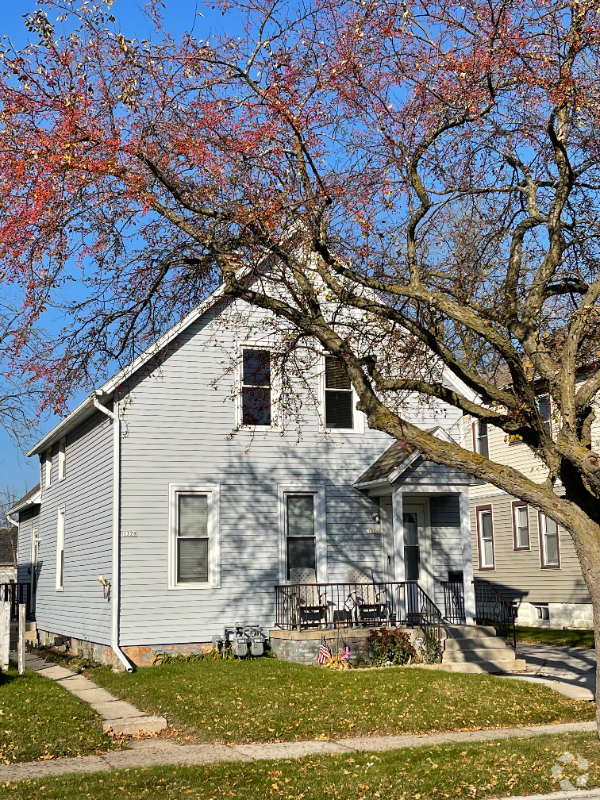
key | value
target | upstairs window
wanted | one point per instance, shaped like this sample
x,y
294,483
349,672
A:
x,y
549,545
480,438
62,460
48,468
301,540
256,388
520,526
338,395
192,538
544,404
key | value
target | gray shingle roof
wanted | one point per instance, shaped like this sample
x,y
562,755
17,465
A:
x,y
387,463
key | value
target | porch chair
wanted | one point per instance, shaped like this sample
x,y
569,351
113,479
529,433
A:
x,y
370,602
310,600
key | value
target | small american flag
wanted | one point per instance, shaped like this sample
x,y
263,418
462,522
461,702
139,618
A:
x,y
324,653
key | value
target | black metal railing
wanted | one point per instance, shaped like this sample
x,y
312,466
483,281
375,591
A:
x,y
454,602
492,608
16,594
301,606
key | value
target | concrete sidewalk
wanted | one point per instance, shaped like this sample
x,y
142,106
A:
x,y
155,752
568,670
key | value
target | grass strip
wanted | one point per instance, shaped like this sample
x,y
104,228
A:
x,y
41,720
265,700
483,770
579,638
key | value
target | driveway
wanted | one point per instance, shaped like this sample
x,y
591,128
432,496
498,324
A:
x,y
569,670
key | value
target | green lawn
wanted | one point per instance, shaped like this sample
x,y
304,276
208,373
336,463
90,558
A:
x,y
39,719
269,700
550,636
490,769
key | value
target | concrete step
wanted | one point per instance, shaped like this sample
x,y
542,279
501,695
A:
x,y
472,656
470,631
476,643
491,667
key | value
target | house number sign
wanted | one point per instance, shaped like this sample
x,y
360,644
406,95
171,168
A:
x,y
129,533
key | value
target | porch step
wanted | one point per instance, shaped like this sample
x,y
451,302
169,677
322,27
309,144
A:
x,y
477,649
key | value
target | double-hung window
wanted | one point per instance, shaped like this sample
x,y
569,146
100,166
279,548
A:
x,y
544,404
300,532
549,543
60,550
192,557
256,388
480,438
338,395
485,529
62,460
47,468
520,526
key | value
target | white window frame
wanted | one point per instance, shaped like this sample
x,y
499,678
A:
x,y
275,390
542,518
477,438
213,490
486,509
318,490
48,468
60,547
358,418
62,459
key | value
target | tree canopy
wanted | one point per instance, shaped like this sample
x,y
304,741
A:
x,y
432,165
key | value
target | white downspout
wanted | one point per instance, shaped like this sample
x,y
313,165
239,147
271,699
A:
x,y
116,538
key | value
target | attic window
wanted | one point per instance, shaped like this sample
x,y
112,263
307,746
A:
x,y
338,395
256,388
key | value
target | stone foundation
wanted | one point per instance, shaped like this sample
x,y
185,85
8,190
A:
x,y
139,655
302,647
561,616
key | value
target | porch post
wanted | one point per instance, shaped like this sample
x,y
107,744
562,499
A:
x,y
467,556
398,547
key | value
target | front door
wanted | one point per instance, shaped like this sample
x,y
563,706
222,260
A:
x,y
417,565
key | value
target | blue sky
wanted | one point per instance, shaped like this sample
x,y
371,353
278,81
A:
x,y
16,471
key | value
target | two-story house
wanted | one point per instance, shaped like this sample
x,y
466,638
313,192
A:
x,y
525,554
154,526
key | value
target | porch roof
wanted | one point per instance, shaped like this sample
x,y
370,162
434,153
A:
x,y
387,464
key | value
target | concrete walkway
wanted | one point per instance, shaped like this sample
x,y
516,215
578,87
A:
x,y
117,715
568,670
580,794
154,752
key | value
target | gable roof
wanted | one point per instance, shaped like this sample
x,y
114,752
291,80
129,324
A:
x,y
30,498
86,408
395,460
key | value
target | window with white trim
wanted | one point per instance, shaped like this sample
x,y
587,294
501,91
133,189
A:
x,y
544,404
521,526
480,438
549,543
48,468
193,544
62,460
485,528
301,548
338,395
256,388
60,550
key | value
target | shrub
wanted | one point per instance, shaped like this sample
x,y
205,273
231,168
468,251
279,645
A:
x,y
391,646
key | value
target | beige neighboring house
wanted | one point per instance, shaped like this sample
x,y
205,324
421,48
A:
x,y
528,557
